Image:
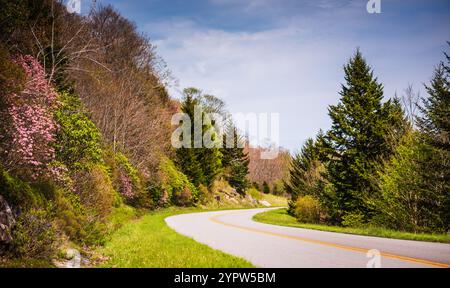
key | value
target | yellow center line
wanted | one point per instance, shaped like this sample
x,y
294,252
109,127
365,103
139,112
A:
x,y
328,244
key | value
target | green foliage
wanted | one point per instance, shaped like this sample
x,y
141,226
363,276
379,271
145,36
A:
x,y
307,209
78,139
305,172
281,217
435,119
34,235
12,76
129,169
127,180
278,188
266,188
353,220
236,160
19,193
201,165
256,186
358,139
434,124
415,189
175,186
13,14
96,191
408,200
149,242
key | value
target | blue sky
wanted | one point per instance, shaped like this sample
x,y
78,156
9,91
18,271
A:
x,y
286,56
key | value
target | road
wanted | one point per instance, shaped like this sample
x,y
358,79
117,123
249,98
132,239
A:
x,y
265,245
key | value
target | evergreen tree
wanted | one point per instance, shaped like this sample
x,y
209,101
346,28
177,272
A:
x,y
266,188
435,127
305,172
201,164
186,158
235,159
359,138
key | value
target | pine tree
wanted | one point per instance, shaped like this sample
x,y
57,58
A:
x,y
435,127
305,172
266,188
359,138
201,164
186,158
235,159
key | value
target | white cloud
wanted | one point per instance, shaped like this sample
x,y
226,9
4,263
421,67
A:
x,y
295,70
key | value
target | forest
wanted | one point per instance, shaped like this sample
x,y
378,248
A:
x,y
382,163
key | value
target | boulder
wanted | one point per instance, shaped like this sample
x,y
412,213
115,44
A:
x,y
265,203
7,221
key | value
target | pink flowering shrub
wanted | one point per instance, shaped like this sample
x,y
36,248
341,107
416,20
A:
x,y
126,188
29,132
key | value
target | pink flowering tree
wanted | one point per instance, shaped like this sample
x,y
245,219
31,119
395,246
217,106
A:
x,y
29,128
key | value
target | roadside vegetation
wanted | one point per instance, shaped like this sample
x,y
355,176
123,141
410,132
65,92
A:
x,y
273,200
381,164
283,218
149,242
85,134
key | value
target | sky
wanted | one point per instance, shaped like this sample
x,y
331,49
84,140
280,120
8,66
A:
x,y
287,56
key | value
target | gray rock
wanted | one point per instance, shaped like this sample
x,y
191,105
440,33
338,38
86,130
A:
x,y
265,203
7,221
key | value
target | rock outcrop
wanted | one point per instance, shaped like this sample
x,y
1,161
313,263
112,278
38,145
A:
x,y
7,221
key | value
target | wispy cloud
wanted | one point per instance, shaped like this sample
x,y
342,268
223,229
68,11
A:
x,y
294,65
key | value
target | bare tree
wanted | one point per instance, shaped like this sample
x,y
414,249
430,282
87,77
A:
x,y
265,170
410,100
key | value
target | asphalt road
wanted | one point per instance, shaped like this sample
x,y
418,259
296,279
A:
x,y
265,245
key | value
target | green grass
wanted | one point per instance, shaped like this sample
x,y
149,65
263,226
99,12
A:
x,y
275,201
149,242
120,215
281,217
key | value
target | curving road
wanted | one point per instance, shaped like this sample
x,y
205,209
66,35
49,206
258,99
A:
x,y
265,245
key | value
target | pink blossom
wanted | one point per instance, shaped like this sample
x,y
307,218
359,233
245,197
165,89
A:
x,y
126,188
30,128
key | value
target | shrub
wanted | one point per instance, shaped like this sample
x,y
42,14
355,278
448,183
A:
x,y
126,179
179,190
266,188
411,195
353,220
96,191
12,77
255,193
278,188
307,209
183,197
17,192
78,139
34,235
83,219
28,132
204,195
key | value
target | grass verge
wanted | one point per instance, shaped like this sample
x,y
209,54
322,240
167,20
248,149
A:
x,y
282,218
274,200
149,242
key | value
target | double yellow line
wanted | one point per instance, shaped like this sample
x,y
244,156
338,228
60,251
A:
x,y
215,219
